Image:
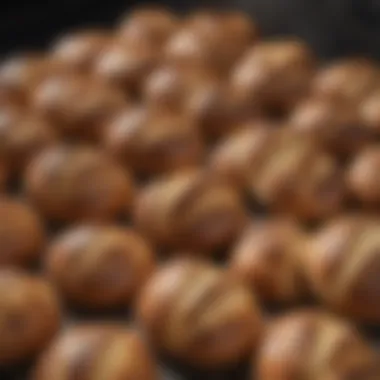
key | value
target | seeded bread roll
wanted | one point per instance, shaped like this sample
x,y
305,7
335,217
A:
x,y
29,316
267,258
152,142
343,266
76,183
77,105
314,345
274,75
336,127
190,210
96,352
22,235
80,49
199,314
23,135
99,267
283,170
151,26
349,81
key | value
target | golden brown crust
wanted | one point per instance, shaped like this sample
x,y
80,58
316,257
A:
x,y
283,170
96,352
199,314
80,49
152,142
363,176
314,345
29,316
267,258
23,135
197,92
187,50
150,26
228,34
99,267
335,126
22,235
242,30
274,75
167,86
126,66
343,266
71,183
77,105
170,86
298,179
369,112
212,40
217,112
347,80
190,210
238,156
16,75
20,74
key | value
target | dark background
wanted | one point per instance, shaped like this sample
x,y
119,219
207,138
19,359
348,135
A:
x,y
332,27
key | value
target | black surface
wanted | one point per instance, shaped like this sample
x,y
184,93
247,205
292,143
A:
x,y
332,27
26,24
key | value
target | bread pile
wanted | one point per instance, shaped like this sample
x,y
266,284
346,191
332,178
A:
x,y
222,187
